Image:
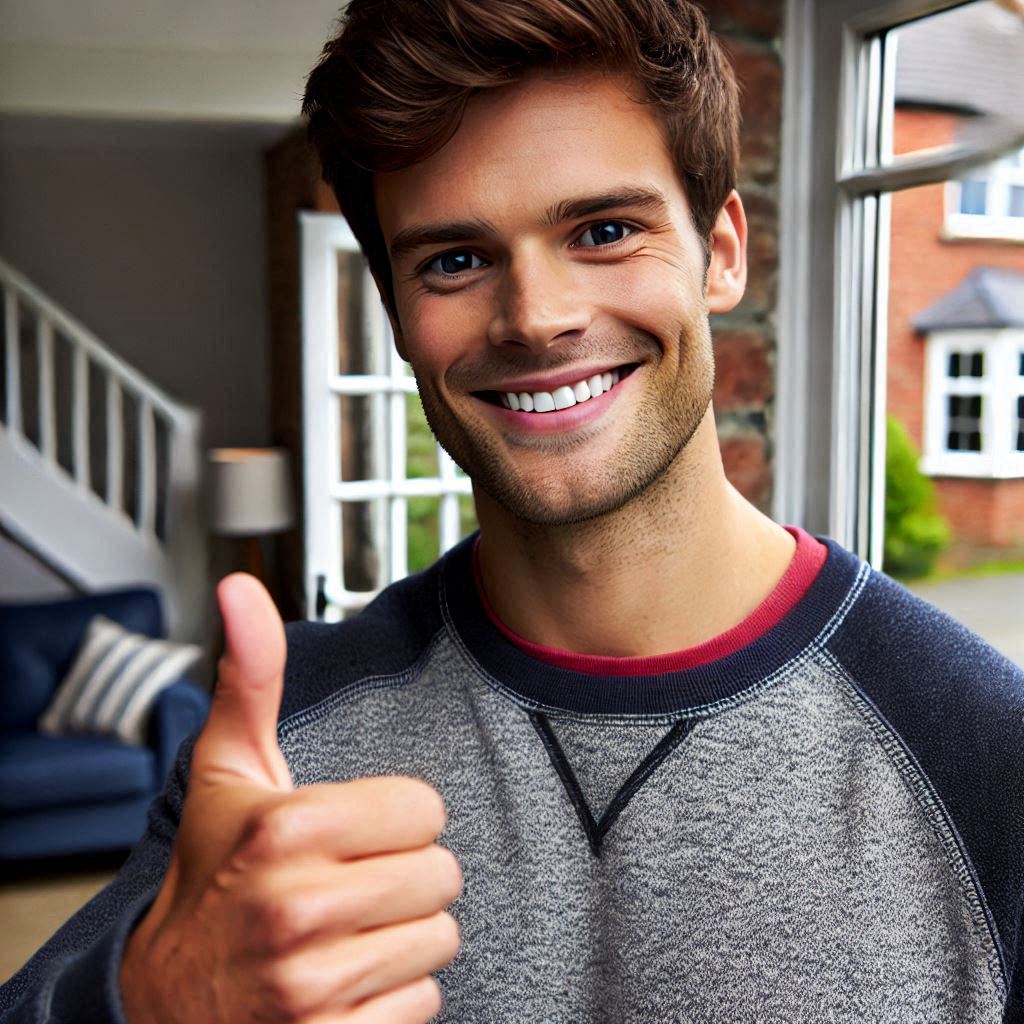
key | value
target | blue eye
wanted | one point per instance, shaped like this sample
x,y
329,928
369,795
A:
x,y
603,234
455,262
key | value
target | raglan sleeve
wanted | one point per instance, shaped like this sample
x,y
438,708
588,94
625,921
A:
x,y
74,978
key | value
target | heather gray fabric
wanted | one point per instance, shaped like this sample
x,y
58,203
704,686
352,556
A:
x,y
826,825
777,866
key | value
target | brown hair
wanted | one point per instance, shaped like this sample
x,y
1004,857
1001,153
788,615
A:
x,y
390,89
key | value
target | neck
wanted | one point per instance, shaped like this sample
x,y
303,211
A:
x,y
684,561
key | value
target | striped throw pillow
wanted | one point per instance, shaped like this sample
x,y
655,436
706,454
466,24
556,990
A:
x,y
114,680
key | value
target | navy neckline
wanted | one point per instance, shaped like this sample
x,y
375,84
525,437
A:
x,y
541,686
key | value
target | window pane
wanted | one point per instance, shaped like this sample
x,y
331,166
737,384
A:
x,y
966,364
963,415
1017,200
973,197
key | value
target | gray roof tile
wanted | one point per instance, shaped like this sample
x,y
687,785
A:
x,y
989,297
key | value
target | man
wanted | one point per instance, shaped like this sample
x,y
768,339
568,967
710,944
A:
x,y
696,767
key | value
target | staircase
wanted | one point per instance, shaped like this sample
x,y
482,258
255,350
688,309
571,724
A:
x,y
99,469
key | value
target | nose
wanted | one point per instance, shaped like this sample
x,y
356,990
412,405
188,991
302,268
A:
x,y
538,304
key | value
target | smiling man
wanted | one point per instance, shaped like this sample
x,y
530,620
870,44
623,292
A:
x,y
695,766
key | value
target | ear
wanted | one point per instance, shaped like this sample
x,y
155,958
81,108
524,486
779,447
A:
x,y
727,271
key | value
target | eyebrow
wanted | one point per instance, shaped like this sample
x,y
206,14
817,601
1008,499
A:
x,y
437,234
637,198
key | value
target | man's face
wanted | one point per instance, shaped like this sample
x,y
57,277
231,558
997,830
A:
x,y
548,251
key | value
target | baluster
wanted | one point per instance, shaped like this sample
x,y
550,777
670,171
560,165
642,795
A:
x,y
47,405
13,359
80,417
145,513
115,445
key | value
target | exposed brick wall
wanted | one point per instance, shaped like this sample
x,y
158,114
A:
x,y
923,267
745,339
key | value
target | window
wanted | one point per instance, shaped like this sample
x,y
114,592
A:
x,y
974,404
989,202
381,498
840,171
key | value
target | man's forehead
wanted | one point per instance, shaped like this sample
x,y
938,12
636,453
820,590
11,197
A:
x,y
541,142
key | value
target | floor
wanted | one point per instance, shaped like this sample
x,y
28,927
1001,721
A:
x,y
35,903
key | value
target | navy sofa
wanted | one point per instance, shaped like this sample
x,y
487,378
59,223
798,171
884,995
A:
x,y
64,795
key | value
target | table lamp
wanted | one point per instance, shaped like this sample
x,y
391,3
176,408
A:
x,y
250,496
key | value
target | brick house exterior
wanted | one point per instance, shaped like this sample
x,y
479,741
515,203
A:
x,y
985,515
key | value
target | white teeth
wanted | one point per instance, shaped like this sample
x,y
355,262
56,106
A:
x,y
561,398
564,398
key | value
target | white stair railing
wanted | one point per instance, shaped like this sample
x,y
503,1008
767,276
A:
x,y
105,505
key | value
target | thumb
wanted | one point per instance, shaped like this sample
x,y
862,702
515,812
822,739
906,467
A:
x,y
240,736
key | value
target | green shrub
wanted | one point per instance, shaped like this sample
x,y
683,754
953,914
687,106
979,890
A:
x,y
915,533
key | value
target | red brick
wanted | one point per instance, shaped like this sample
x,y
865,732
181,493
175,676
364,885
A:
x,y
744,377
747,467
762,253
760,79
762,17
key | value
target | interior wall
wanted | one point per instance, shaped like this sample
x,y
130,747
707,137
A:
x,y
153,235
25,578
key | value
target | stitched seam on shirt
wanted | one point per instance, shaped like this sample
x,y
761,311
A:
x,y
746,696
354,691
938,817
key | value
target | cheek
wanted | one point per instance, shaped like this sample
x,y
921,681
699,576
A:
x,y
651,296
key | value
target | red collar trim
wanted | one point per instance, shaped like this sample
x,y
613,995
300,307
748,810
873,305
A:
x,y
807,561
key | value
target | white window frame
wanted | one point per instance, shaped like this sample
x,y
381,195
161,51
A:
x,y
996,222
837,175
323,236
999,387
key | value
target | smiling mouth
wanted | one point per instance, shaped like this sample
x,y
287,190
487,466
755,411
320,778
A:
x,y
560,398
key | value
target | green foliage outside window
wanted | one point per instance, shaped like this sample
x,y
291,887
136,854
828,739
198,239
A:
x,y
423,512
915,533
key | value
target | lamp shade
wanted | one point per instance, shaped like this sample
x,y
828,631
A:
x,y
250,491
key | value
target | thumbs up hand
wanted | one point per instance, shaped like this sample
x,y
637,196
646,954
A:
x,y
319,905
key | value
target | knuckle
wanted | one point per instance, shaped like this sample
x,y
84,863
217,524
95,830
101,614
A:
x,y
282,921
450,872
447,935
284,991
425,1001
426,803
270,833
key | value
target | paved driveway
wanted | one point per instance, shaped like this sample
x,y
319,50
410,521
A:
x,y
993,606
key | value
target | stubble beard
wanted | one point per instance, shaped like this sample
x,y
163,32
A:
x,y
666,420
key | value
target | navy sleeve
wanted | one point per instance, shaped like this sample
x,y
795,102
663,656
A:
x,y
74,978
958,707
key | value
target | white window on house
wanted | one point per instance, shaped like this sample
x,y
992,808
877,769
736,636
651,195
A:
x,y
974,408
988,202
